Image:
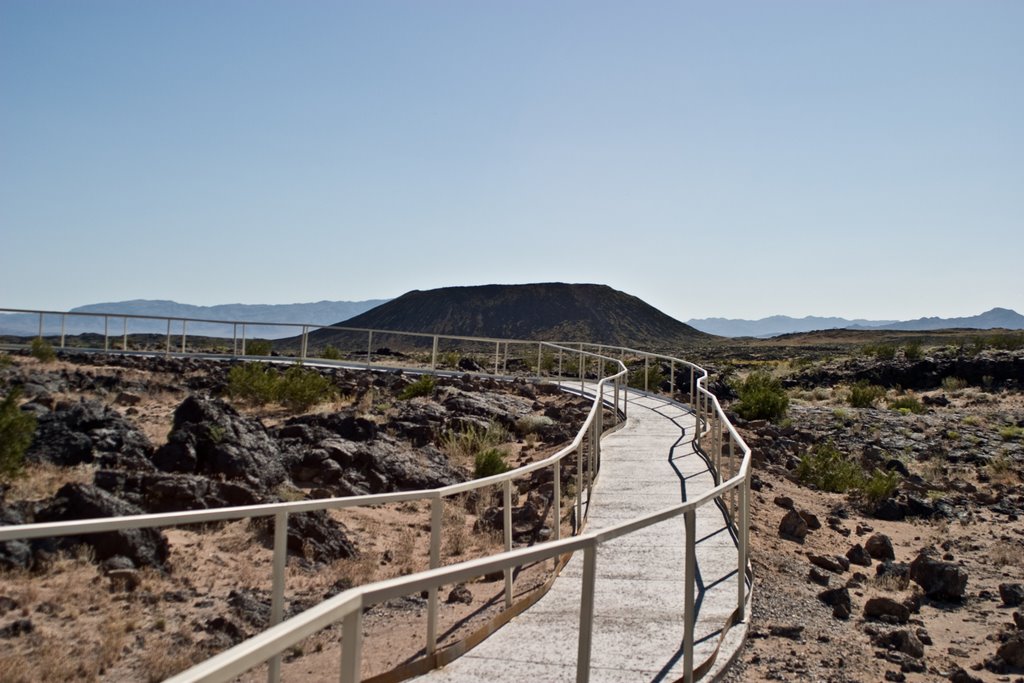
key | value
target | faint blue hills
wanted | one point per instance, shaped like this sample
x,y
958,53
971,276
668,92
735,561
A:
x,y
316,313
775,325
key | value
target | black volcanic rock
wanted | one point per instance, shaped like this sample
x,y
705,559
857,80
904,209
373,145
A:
x,y
210,437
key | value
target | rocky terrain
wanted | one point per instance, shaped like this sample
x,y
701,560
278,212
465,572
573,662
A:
x,y
131,435
922,582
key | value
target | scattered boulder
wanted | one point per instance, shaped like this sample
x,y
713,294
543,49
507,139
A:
x,y
901,640
1012,594
77,433
17,628
793,526
939,579
792,632
460,594
832,563
879,607
839,600
169,492
879,547
858,555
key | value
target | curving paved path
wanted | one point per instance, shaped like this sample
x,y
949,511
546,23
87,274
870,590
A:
x,y
648,465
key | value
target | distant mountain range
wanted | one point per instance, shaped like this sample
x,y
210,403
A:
x,y
551,311
318,313
782,324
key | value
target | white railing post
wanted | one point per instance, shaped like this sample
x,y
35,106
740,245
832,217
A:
x,y
351,646
579,488
277,586
507,500
184,334
369,347
741,542
672,379
582,368
436,519
305,342
124,340
559,364
497,356
40,324
693,396
106,328
167,349
586,614
243,335
540,355
615,412
646,371
234,339
557,501
690,579
62,328
433,356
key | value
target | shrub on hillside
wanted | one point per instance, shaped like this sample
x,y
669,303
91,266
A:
x,y
257,347
908,404
863,394
253,382
424,386
42,350
488,463
761,397
301,388
330,353
16,430
825,467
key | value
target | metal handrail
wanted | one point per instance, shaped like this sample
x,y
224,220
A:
x,y
347,606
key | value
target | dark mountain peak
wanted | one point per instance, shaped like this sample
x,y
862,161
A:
x,y
549,310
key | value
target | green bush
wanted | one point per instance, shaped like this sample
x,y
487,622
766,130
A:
x,y
952,384
489,462
301,388
330,353
1011,432
880,485
761,397
829,470
863,394
909,404
655,377
880,351
257,347
42,350
16,431
469,442
253,382
913,350
424,386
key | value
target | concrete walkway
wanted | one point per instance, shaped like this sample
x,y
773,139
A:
x,y
647,466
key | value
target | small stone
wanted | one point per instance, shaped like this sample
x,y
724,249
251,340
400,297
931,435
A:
x,y
1012,594
902,640
792,632
857,555
460,594
17,628
895,676
819,577
812,520
958,675
833,563
784,502
793,526
879,546
941,580
883,606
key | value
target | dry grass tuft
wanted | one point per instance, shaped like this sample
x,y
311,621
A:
x,y
40,481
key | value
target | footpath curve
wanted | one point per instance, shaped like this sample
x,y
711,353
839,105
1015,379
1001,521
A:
x,y
648,465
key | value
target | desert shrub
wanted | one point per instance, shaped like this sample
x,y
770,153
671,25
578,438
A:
x,y
489,462
1007,341
42,350
913,350
424,386
880,351
825,467
880,485
253,382
653,374
953,384
1001,469
330,353
761,397
863,394
5,360
301,388
16,430
547,362
909,404
1011,432
466,444
257,347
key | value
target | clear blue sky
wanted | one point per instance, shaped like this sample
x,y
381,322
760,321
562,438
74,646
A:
x,y
737,159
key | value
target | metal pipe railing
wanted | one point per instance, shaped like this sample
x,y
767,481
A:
x,y
347,607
